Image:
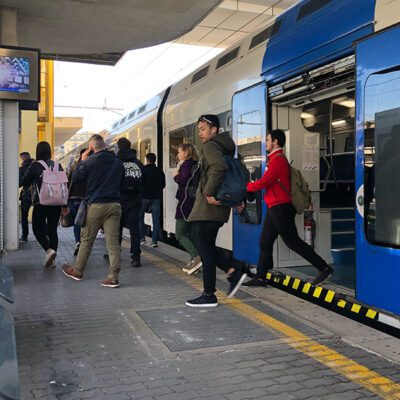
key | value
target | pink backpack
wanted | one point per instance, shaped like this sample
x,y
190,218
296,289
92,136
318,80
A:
x,y
54,190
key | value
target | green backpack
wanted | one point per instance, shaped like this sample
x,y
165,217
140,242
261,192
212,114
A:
x,y
299,191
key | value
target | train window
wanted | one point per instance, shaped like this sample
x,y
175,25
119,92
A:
x,y
225,59
382,159
249,152
145,148
175,139
311,7
260,37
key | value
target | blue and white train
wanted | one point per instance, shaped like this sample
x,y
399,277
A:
x,y
327,72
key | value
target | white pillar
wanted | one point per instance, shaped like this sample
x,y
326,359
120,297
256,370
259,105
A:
x,y
9,121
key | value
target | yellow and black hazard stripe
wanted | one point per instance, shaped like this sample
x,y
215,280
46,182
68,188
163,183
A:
x,y
331,299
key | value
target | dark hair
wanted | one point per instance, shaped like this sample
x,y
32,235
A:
x,y
210,119
43,151
25,154
151,158
124,144
279,136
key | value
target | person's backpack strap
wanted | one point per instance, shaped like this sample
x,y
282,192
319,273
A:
x,y
43,164
278,180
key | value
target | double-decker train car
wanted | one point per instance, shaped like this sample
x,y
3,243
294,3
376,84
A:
x,y
327,72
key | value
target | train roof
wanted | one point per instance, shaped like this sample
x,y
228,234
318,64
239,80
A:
x,y
315,32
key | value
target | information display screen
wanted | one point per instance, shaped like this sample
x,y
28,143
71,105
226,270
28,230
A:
x,y
19,74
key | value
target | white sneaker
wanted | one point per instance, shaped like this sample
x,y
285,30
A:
x,y
154,244
50,257
196,265
188,266
143,241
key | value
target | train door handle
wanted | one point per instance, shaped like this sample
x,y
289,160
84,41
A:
x,y
360,201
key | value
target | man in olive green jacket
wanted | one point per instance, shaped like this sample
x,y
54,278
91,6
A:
x,y
208,215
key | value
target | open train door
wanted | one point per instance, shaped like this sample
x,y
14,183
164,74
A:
x,y
249,127
377,170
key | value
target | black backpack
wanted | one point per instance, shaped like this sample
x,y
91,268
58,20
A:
x,y
233,189
193,182
133,181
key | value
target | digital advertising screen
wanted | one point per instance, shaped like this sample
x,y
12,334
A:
x,y
19,74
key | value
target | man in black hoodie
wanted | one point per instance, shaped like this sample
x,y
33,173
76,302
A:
x,y
131,197
25,195
104,177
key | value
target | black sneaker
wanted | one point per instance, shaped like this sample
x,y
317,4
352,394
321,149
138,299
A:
x,y
255,282
235,281
23,239
203,301
136,263
323,276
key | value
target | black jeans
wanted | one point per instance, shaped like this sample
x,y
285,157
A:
x,y
25,207
280,221
39,216
206,235
130,217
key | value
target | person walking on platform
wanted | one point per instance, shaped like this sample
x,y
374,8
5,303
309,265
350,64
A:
x,y
45,218
25,195
154,183
208,215
131,197
76,195
103,173
280,218
186,176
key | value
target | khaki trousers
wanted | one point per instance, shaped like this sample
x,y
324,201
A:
x,y
106,215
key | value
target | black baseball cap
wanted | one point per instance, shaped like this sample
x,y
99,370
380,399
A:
x,y
211,119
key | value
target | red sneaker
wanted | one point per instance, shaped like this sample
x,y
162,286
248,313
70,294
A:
x,y
70,272
110,282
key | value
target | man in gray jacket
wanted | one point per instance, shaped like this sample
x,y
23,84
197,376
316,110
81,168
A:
x,y
208,215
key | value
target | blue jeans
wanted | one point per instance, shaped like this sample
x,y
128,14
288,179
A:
x,y
73,205
155,216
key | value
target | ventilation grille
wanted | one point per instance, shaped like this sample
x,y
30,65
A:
x,y
115,124
228,57
131,115
200,74
141,109
311,7
276,27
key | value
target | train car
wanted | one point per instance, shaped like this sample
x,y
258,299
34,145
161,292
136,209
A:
x,y
327,73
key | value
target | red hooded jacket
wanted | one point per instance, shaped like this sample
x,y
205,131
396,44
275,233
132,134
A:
x,y
277,168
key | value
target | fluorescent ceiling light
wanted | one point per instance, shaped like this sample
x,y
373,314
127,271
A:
x,y
350,103
306,115
338,122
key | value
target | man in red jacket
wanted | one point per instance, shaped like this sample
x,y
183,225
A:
x,y
280,218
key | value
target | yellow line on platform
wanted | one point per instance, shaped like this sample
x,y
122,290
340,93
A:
x,y
357,373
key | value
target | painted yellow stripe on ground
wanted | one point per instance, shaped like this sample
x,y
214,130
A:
x,y
286,281
317,292
356,308
329,296
306,288
371,314
296,283
341,303
374,382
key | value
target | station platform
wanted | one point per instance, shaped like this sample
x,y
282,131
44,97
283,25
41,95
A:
x,y
79,340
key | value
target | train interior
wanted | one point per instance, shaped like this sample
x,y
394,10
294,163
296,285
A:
x,y
320,142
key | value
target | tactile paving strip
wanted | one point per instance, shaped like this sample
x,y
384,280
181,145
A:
x,y
183,329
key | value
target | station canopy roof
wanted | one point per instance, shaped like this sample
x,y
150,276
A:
x,y
100,31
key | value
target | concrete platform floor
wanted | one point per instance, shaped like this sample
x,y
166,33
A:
x,y
79,340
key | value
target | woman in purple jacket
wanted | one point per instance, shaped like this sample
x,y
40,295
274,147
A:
x,y
185,176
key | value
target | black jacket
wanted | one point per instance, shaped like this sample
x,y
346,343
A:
x,y
76,190
155,182
23,169
34,177
127,156
103,174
